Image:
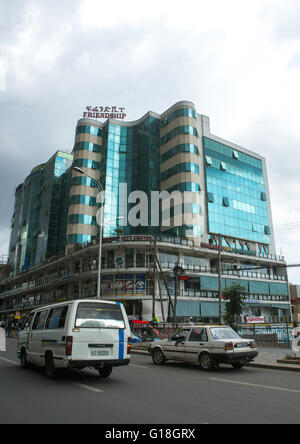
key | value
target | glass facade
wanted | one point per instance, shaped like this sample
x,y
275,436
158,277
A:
x,y
83,200
185,186
133,158
87,146
41,210
184,129
80,238
89,129
186,167
178,149
182,112
87,163
236,195
82,219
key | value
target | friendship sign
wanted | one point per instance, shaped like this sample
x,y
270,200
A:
x,y
104,112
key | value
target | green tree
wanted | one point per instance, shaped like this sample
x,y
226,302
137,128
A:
x,y
234,297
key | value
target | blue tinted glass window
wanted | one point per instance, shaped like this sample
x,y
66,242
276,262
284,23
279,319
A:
x,y
185,129
241,184
180,168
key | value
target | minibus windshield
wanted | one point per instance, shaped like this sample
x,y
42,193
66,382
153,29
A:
x,y
99,315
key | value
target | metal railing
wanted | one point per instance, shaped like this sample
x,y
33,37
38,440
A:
x,y
167,239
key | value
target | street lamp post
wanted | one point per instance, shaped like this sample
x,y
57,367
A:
x,y
79,170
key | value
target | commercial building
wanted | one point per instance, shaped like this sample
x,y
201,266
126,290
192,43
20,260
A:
x,y
223,194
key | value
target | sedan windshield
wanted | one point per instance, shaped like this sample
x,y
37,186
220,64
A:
x,y
224,333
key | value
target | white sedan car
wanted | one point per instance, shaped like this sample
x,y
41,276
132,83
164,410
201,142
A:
x,y
207,345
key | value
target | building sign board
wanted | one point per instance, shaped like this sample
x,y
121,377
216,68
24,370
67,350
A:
x,y
256,320
229,249
104,112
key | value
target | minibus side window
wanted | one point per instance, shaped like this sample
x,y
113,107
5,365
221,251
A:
x,y
39,320
57,318
28,321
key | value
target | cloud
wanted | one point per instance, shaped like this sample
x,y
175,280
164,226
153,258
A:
x,y
283,18
237,61
4,241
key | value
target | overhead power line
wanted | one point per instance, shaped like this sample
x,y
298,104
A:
x,y
288,226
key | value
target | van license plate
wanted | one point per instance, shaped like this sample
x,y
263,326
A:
x,y
100,353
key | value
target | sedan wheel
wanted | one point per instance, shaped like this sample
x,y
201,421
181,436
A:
x,y
237,364
24,362
206,362
158,357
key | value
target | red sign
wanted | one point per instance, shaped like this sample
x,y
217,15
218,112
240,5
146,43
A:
x,y
140,322
256,320
104,112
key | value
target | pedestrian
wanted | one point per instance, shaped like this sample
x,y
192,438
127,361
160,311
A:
x,y
9,328
144,335
191,322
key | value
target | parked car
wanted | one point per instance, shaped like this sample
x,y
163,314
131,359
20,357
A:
x,y
207,345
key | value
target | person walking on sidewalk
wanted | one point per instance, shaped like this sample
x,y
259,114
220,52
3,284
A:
x,y
9,328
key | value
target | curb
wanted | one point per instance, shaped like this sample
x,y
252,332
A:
x,y
274,367
140,352
254,365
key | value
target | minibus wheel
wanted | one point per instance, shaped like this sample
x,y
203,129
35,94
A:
x,y
105,372
50,367
24,362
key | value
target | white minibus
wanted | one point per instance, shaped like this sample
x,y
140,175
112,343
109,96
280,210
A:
x,y
76,334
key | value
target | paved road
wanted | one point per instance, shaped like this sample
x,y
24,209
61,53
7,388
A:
x,y
147,394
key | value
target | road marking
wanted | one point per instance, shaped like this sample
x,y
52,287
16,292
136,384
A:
x,y
137,366
88,387
7,360
256,385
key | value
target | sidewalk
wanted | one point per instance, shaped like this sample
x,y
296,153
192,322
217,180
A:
x,y
267,358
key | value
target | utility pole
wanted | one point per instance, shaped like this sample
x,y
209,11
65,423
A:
x,y
165,282
154,275
220,277
178,271
161,301
176,295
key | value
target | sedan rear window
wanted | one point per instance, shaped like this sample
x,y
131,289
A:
x,y
99,315
224,333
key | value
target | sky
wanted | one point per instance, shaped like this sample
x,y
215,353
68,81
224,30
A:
x,y
237,61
